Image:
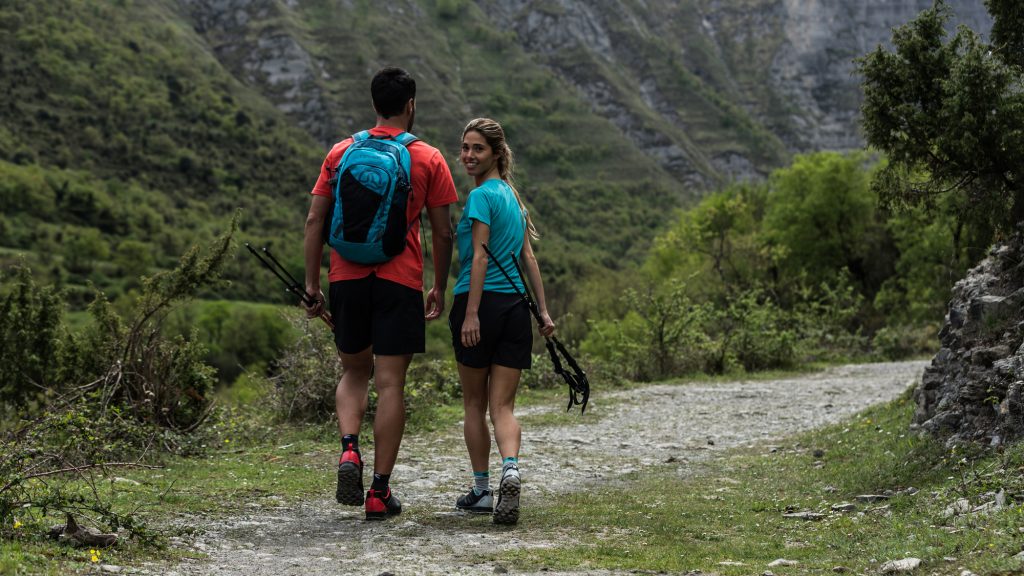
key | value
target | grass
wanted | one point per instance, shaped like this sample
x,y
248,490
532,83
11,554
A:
x,y
731,510
676,517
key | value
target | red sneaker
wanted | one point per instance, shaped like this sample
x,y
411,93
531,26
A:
x,y
350,478
380,505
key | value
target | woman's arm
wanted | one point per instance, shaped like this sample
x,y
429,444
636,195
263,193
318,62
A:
x,y
477,275
533,273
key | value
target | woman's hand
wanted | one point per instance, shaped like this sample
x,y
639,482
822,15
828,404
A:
x,y
547,327
470,330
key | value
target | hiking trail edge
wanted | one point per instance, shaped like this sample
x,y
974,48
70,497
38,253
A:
x,y
623,431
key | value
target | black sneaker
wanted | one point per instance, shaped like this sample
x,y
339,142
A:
x,y
350,478
380,505
482,503
506,511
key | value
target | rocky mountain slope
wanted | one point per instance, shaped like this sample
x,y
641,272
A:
x,y
145,120
709,89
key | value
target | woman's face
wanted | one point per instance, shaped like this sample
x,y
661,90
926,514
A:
x,y
477,156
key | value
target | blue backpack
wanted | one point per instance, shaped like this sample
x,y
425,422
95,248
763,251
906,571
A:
x,y
372,187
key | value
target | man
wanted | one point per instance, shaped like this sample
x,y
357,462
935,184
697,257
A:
x,y
378,309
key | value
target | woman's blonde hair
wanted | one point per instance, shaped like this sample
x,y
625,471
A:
x,y
495,137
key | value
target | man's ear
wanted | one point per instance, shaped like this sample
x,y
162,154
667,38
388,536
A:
x,y
411,106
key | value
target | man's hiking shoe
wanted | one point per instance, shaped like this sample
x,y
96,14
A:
x,y
380,505
506,511
350,478
482,503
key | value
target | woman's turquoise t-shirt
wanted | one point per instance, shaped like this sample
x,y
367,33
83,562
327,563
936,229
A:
x,y
492,203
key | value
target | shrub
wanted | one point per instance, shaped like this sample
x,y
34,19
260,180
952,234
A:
x,y
31,338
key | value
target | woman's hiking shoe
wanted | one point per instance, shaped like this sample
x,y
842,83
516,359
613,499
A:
x,y
380,505
482,503
350,478
506,511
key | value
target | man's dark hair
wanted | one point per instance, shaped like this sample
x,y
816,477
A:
x,y
390,89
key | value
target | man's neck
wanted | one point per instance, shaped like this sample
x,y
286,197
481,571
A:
x,y
399,122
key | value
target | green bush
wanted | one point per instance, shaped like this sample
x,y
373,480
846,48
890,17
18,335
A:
x,y
905,341
32,340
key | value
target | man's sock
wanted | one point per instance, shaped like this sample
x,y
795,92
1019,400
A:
x,y
510,460
380,482
350,441
481,481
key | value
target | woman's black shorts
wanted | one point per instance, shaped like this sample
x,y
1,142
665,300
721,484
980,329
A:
x,y
506,331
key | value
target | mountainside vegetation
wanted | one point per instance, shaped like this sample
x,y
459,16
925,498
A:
x,y
690,225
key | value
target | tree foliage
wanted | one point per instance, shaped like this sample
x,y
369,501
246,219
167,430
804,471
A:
x,y
949,114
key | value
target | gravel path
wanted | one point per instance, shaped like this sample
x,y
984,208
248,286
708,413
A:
x,y
622,432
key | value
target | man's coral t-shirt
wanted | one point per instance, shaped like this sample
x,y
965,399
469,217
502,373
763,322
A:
x,y
432,186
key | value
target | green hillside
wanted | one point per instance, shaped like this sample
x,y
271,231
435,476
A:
x,y
130,130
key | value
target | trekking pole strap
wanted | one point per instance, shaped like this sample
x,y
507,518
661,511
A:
x,y
579,386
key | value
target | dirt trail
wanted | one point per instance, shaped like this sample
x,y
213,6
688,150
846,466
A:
x,y
622,432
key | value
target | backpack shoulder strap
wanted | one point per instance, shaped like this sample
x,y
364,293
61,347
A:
x,y
405,139
360,136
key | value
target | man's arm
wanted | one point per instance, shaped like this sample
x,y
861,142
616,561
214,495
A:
x,y
313,247
441,241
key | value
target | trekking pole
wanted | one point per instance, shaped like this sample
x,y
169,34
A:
x,y
291,284
579,386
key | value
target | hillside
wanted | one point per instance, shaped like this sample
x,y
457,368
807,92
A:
x,y
132,128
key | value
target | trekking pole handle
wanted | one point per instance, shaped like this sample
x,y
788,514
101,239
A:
x,y
291,284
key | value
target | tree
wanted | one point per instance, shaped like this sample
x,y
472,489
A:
x,y
949,113
822,220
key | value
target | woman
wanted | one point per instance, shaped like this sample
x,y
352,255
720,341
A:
x,y
491,326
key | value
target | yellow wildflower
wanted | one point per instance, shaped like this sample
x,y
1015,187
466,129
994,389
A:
x,y
94,555
17,523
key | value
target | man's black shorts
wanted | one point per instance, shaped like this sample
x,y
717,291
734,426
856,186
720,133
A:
x,y
506,331
379,313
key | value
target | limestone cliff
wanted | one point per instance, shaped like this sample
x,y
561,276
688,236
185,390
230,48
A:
x,y
707,89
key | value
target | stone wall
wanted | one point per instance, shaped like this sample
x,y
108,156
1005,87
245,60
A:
x,y
974,388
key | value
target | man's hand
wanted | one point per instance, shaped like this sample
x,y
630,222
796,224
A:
x,y
434,305
317,308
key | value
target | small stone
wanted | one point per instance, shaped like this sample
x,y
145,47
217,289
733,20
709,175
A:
x,y
904,565
386,574
844,507
812,516
819,453
782,562
730,563
961,506
840,569
110,568
830,489
670,459
1019,556
967,573
499,569
767,573
711,442
871,497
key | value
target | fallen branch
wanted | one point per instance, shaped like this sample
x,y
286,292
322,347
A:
x,y
78,469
